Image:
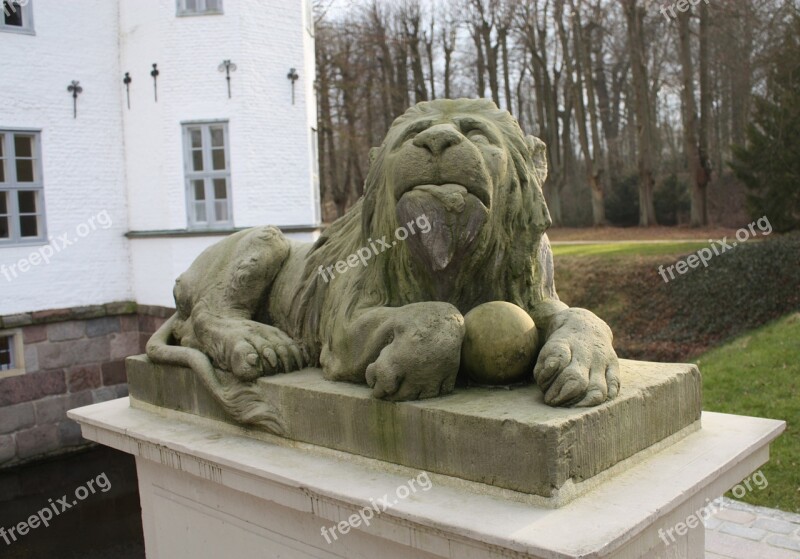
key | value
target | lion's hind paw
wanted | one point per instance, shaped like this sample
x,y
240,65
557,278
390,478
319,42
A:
x,y
260,349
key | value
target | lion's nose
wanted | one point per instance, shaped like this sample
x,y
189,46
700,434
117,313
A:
x,y
438,138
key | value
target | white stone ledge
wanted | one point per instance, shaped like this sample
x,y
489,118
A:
x,y
620,518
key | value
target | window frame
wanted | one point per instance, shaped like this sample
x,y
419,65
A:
x,y
207,175
17,353
11,186
27,19
182,11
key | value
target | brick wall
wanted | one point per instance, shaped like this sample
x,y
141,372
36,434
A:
x,y
73,358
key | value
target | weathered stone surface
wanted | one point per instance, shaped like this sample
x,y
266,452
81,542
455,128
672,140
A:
x,y
121,307
33,334
506,438
63,331
84,377
14,418
102,326
51,315
124,345
75,352
69,433
54,409
31,359
17,320
31,386
36,441
129,323
104,394
114,373
89,311
8,449
149,324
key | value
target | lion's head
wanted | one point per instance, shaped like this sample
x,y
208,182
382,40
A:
x,y
467,166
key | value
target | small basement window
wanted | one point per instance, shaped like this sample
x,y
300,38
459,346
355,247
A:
x,y
11,362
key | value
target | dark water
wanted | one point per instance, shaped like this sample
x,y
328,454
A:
x,y
104,525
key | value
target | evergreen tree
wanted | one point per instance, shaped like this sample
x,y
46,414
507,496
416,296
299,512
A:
x,y
770,164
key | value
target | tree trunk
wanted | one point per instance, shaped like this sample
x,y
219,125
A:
x,y
699,217
479,62
448,45
634,16
574,87
705,102
411,24
429,51
506,76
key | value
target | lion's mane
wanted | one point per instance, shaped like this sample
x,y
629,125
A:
x,y
504,265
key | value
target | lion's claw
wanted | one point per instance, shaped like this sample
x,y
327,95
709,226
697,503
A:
x,y
259,349
577,366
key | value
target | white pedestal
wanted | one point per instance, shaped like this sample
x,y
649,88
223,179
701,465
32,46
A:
x,y
209,491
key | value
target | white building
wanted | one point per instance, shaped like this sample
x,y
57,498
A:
x,y
109,190
255,164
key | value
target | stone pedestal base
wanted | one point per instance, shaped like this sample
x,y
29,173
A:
x,y
209,491
508,439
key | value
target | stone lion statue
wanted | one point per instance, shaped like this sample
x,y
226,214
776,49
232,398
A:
x,y
257,303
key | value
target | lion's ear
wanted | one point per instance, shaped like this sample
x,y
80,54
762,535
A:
x,y
537,150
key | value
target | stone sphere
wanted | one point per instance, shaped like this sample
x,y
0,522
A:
x,y
499,345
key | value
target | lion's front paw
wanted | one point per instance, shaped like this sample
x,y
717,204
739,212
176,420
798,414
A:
x,y
422,359
577,366
251,349
391,380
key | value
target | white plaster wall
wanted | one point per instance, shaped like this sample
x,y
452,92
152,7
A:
x,y
82,159
157,262
271,151
129,162
270,138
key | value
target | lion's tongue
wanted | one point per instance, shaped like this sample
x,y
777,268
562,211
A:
x,y
455,217
451,196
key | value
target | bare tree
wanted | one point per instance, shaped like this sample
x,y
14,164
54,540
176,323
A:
x,y
634,15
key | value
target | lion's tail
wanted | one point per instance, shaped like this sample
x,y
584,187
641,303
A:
x,y
241,401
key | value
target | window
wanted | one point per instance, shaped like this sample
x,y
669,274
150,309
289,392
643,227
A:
x,y
199,7
208,176
11,362
17,16
21,188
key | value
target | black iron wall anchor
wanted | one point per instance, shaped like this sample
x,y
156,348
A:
x,y
127,81
227,66
292,75
76,90
155,74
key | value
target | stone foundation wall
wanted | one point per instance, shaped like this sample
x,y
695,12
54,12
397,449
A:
x,y
72,357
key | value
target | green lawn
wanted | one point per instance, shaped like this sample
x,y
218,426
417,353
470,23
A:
x,y
632,248
758,374
739,319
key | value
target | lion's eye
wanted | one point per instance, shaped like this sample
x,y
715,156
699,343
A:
x,y
477,136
